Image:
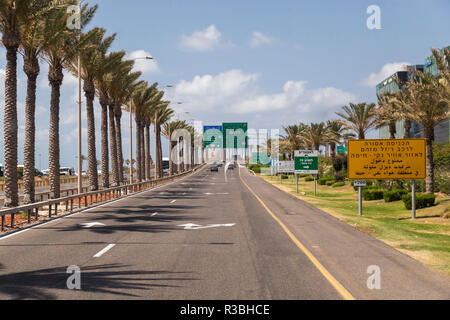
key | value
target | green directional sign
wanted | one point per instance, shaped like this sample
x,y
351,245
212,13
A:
x,y
235,135
341,149
306,161
212,137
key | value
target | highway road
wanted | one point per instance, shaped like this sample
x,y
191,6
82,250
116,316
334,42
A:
x,y
209,236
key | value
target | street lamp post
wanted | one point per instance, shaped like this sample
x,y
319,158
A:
x,y
80,163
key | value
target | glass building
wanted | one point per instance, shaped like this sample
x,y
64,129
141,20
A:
x,y
442,130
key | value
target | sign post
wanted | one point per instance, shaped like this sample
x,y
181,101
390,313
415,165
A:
x,y
413,197
306,161
360,184
296,181
391,159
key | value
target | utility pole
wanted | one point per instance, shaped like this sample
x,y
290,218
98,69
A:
x,y
80,162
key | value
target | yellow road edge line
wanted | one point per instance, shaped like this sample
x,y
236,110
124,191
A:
x,y
332,280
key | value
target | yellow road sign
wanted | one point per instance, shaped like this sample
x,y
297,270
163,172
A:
x,y
394,159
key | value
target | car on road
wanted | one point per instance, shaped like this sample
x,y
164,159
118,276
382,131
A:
x,y
215,168
231,166
219,163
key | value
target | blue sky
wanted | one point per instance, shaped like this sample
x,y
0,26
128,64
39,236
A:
x,y
269,63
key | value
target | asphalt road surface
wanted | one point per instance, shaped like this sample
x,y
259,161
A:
x,y
207,237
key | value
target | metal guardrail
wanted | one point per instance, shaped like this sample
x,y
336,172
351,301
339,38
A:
x,y
89,199
46,182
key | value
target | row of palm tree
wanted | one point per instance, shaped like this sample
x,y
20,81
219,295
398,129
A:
x,y
38,30
424,99
313,136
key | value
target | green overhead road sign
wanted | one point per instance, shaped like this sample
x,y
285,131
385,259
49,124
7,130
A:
x,y
235,135
306,161
212,137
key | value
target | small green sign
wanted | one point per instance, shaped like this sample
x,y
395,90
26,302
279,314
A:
x,y
341,150
306,161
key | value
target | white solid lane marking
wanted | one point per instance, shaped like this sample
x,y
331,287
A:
x,y
102,252
173,201
154,214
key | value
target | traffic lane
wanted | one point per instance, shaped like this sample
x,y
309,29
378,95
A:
x,y
251,260
41,255
348,253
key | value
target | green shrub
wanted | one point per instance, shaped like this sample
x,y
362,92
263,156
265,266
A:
x,y
338,184
367,188
323,181
309,178
330,183
303,175
284,176
256,169
372,194
394,195
422,200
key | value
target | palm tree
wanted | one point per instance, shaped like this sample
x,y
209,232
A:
x,y
14,16
143,101
315,135
162,115
91,57
108,68
336,132
428,104
387,113
358,117
169,128
59,49
31,45
292,138
121,85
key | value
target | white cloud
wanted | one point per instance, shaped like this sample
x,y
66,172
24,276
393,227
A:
x,y
146,66
386,71
237,94
205,40
212,91
259,39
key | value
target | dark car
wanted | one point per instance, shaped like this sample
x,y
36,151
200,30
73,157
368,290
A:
x,y
231,166
215,168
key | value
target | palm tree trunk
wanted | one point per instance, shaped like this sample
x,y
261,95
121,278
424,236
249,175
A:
x,y
138,150
429,135
55,78
118,114
10,124
147,151
89,90
158,157
407,128
105,151
333,152
171,166
392,129
192,157
113,145
31,69
144,177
